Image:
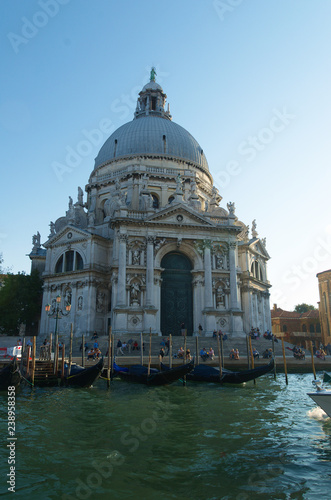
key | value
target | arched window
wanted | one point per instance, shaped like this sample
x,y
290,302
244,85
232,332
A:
x,y
304,328
311,328
69,261
256,270
318,328
171,199
284,328
155,201
59,265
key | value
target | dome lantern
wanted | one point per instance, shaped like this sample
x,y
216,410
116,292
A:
x,y
151,100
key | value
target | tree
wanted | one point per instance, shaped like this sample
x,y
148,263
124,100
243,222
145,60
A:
x,y
20,302
302,308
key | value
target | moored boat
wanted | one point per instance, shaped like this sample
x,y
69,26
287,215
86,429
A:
x,y
78,377
139,374
206,373
326,377
84,377
322,398
10,375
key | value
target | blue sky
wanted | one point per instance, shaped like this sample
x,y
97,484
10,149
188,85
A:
x,y
250,80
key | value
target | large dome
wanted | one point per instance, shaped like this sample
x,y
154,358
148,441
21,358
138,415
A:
x,y
152,136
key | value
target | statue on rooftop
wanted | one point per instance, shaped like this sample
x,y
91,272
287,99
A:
x,y
231,207
153,74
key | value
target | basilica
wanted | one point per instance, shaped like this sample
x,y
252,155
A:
x,y
149,247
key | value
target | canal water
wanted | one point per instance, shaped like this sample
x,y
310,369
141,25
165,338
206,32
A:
x,y
202,441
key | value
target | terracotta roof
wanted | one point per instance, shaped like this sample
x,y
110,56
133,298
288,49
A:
x,y
280,313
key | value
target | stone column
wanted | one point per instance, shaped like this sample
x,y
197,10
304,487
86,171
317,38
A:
x,y
208,278
150,271
121,286
233,276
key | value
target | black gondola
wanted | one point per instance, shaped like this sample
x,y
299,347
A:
x,y
139,374
79,376
206,373
10,375
84,377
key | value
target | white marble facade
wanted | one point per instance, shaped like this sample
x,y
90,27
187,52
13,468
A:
x,y
151,195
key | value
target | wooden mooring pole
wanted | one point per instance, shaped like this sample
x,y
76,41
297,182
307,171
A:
x,y
109,358
197,350
28,361
251,354
170,351
56,354
112,357
149,354
247,350
273,353
184,357
70,349
141,349
284,361
33,359
62,364
312,358
83,350
22,355
219,356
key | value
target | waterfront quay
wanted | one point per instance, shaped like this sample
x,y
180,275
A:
x,y
132,357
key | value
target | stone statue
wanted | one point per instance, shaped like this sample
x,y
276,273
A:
x,y
219,261
153,74
159,244
70,203
231,208
52,228
220,297
36,241
178,184
254,232
80,303
264,242
67,296
135,289
145,181
136,257
100,301
80,196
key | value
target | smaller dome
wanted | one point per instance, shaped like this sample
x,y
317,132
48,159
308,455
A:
x,y
152,86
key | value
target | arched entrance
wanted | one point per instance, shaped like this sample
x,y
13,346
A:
x,y
176,294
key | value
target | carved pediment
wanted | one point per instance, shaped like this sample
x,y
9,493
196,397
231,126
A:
x,y
67,236
256,246
179,214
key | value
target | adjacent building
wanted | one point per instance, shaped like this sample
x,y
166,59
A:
x,y
324,287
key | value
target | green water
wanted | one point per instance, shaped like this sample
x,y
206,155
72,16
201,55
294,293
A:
x,y
196,442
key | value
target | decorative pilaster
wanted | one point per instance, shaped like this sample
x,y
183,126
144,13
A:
x,y
233,276
150,271
208,277
121,298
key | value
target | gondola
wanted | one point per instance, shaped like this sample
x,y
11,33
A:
x,y
10,375
139,374
206,373
79,376
84,377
